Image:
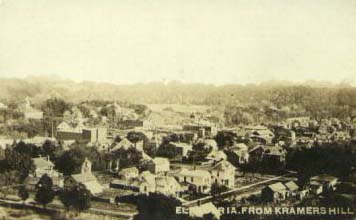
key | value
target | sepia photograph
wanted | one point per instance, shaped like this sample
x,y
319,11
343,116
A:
x,y
177,110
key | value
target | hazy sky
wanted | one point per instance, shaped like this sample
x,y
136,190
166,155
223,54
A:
x,y
129,41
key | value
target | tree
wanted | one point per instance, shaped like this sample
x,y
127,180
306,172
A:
x,y
209,216
44,191
217,189
128,157
50,148
225,139
70,161
135,137
20,162
23,193
155,206
7,179
77,197
199,152
55,107
167,150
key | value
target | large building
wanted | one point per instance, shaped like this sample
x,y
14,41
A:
x,y
202,129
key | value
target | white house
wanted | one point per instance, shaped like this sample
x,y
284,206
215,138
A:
x,y
216,156
86,178
145,183
223,173
129,173
167,185
159,165
44,166
201,179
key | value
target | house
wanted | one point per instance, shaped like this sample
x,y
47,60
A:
x,y
260,134
216,156
274,154
315,187
64,126
210,144
86,178
168,186
256,153
126,144
98,135
66,132
239,153
328,182
202,128
159,165
44,166
145,183
292,189
242,157
200,211
302,194
298,122
199,179
274,193
129,173
223,173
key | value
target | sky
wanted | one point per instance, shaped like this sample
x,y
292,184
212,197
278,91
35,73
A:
x,y
206,41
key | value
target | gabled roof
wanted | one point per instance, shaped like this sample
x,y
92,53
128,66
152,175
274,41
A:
x,y
90,182
129,170
291,185
223,165
64,125
148,177
240,146
323,178
167,181
216,155
193,173
84,177
256,148
124,143
240,153
42,162
160,161
277,187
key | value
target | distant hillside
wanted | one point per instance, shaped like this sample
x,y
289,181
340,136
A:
x,y
276,92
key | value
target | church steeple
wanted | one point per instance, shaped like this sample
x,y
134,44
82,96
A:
x,y
86,166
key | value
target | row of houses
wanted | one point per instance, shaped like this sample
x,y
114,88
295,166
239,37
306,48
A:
x,y
196,180
279,192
